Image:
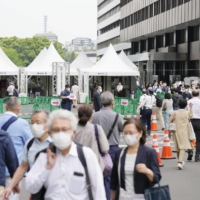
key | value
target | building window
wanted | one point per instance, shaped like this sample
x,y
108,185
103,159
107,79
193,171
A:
x,y
151,44
132,20
174,3
162,6
185,1
105,44
157,8
136,47
169,39
169,4
160,41
194,33
143,45
104,4
136,18
180,2
109,27
180,35
151,10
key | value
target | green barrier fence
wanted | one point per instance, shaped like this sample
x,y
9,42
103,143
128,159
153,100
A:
x,y
47,103
125,106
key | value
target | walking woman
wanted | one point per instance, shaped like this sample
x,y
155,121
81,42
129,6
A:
x,y
167,106
85,133
135,167
181,136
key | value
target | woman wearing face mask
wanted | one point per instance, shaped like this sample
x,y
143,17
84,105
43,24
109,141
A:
x,y
135,167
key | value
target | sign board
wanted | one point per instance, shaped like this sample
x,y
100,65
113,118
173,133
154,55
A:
x,y
72,96
124,102
55,102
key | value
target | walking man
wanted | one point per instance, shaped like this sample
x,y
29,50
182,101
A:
x,y
19,131
65,96
40,141
176,99
11,89
195,123
112,125
97,100
75,90
146,105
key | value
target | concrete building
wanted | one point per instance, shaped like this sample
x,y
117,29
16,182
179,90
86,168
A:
x,y
51,36
164,37
108,27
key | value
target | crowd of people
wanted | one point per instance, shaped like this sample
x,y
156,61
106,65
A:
x,y
67,157
181,106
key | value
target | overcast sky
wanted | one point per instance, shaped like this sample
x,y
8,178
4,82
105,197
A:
x,y
66,18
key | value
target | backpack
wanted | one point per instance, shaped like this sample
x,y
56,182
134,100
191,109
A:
x,y
40,195
159,101
15,93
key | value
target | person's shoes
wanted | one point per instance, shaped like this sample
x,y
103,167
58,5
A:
x,y
163,129
190,155
180,166
197,158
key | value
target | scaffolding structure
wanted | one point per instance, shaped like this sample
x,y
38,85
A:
x,y
60,77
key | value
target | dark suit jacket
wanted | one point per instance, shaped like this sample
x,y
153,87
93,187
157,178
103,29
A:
x,y
97,102
145,156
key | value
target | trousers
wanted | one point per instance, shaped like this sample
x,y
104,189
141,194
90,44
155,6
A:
x,y
180,155
146,118
158,112
196,127
112,152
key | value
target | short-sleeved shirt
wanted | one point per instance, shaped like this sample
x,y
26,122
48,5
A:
x,y
66,94
37,146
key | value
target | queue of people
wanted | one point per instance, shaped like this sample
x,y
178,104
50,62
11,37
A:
x,y
63,158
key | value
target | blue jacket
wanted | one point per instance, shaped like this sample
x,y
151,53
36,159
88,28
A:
x,y
8,156
145,156
19,132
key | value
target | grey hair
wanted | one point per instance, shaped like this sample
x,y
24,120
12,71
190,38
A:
x,y
62,114
12,102
41,111
107,98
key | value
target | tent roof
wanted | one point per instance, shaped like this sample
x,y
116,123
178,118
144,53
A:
x,y
7,67
111,65
44,65
127,61
39,57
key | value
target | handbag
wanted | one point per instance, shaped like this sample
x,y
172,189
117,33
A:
x,y
158,193
106,157
191,131
172,126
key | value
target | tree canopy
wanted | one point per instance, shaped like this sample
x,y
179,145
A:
x,y
22,51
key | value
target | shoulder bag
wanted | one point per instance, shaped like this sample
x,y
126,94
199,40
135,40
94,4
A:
x,y
191,131
172,126
113,126
106,157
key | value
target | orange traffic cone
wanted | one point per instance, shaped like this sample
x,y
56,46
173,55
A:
x,y
167,151
155,146
154,125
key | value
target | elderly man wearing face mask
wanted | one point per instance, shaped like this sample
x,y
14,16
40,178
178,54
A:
x,y
62,173
65,96
40,141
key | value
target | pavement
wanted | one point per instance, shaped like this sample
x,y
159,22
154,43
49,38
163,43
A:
x,y
184,184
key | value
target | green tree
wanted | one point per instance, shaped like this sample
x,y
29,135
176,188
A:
x,y
22,51
70,56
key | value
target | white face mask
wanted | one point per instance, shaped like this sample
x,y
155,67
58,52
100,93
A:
x,y
37,130
100,90
131,140
62,140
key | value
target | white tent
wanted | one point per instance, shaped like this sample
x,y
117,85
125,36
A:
x,y
127,61
82,61
7,67
111,65
38,58
44,65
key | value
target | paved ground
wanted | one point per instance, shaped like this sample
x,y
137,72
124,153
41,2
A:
x,y
184,184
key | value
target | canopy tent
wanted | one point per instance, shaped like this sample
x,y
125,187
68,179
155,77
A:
x,y
82,61
127,61
38,58
7,67
110,65
44,65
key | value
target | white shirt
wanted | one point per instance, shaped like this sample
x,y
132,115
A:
x,y
10,89
60,182
75,89
147,101
196,107
129,194
119,87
